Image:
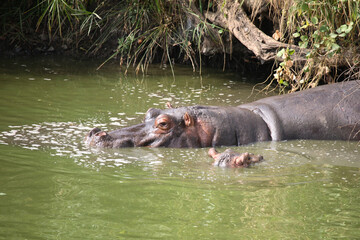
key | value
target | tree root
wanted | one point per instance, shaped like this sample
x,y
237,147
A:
x,y
232,16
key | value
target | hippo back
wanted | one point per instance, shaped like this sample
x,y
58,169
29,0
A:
x,y
325,112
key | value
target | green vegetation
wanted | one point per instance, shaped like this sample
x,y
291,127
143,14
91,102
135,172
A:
x,y
329,31
143,30
140,32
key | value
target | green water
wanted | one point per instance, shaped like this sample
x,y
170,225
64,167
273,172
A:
x,y
54,187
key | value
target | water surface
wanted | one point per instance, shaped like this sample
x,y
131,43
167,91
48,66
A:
x,y
52,186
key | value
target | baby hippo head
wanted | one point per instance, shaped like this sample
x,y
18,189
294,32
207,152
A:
x,y
230,158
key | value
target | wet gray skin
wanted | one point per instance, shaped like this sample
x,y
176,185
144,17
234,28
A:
x,y
186,127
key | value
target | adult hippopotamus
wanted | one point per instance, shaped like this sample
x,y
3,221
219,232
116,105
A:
x,y
326,112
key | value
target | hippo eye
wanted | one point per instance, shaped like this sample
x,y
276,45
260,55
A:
x,y
163,122
163,125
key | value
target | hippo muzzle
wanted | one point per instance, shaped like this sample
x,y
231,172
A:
x,y
127,137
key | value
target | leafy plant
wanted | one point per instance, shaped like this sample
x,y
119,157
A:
x,y
284,74
327,30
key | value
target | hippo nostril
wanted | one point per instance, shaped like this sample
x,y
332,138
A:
x,y
100,134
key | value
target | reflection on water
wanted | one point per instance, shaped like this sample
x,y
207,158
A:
x,y
52,186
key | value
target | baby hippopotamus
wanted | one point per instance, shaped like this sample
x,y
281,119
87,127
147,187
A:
x,y
229,158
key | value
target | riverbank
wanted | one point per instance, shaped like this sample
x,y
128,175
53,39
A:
x,y
300,44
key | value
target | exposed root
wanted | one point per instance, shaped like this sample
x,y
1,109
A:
x,y
233,17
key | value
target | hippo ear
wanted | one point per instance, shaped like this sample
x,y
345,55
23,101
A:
x,y
189,121
169,105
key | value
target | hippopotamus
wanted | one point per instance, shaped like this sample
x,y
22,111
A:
x,y
328,112
230,158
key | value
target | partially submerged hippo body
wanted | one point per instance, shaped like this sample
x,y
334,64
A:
x,y
330,112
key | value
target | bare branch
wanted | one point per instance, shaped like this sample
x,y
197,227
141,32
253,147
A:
x,y
233,17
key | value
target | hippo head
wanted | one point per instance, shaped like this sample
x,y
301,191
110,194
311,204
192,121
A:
x,y
229,158
174,127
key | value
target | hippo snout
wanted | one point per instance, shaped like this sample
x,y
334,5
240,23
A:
x,y
95,136
93,132
98,138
